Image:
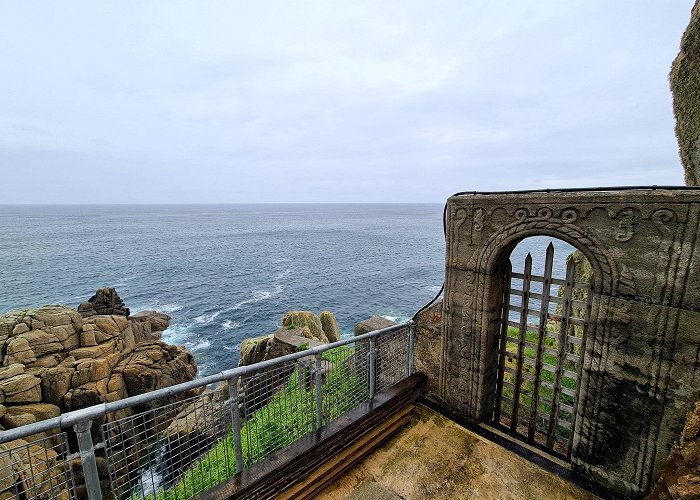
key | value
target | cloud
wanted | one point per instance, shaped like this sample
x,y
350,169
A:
x,y
318,101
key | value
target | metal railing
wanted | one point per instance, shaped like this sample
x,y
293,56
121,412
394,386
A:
x,y
182,440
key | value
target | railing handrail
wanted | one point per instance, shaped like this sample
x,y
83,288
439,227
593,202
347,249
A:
x,y
97,411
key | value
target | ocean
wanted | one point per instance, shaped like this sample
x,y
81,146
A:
x,y
227,272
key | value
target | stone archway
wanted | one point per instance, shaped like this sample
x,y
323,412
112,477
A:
x,y
641,370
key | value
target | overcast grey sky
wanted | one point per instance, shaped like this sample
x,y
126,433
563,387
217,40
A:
x,y
201,101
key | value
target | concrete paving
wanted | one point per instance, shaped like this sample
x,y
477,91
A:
x,y
433,457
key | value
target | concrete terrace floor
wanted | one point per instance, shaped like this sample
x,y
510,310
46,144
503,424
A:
x,y
434,457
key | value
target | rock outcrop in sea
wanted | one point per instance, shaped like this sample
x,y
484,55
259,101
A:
x,y
56,359
299,329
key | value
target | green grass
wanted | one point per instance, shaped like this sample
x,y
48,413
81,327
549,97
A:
x,y
290,415
546,394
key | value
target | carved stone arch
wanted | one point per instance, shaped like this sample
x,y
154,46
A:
x,y
605,275
640,372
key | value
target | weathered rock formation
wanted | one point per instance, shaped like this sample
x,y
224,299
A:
x,y
371,324
106,301
308,321
681,477
55,359
299,329
685,81
330,326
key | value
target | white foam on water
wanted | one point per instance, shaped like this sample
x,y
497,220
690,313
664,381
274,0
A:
x,y
177,333
206,319
156,306
230,325
198,346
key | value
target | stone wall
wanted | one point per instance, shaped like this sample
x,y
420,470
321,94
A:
x,y
428,347
641,373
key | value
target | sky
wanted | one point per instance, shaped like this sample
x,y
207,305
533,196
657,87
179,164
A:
x,y
410,101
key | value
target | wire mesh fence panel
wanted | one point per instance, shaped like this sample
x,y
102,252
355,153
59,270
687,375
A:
x,y
36,468
345,375
392,358
171,451
278,406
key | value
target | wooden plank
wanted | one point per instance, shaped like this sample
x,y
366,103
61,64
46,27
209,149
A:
x,y
544,312
527,272
504,342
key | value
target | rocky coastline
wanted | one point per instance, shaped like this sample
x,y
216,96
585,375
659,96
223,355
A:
x,y
55,359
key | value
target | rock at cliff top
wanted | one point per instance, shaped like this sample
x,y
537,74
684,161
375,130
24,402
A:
x,y
685,81
254,350
156,320
106,301
330,326
300,319
371,324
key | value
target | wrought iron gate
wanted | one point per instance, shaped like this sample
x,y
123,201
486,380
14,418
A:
x,y
542,338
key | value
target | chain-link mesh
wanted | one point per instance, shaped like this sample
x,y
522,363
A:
x,y
278,406
179,448
345,378
36,468
392,358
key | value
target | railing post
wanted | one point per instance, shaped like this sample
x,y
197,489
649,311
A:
x,y
372,366
87,458
319,394
411,340
236,422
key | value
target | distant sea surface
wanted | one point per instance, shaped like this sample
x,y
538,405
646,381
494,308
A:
x,y
227,272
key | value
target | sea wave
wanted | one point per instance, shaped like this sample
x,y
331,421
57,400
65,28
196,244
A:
x,y
207,318
156,306
230,325
199,345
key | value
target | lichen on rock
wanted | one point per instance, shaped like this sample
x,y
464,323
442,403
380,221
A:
x,y
685,81
330,326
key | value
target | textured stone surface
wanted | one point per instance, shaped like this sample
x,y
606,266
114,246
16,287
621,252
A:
x,y
371,324
254,350
54,360
432,457
300,319
330,326
428,346
681,476
640,369
685,81
106,301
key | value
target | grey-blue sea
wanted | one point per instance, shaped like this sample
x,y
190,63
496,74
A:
x,y
227,272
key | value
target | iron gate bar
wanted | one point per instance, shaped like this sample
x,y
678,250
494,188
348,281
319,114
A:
x,y
587,317
563,334
521,342
543,375
504,335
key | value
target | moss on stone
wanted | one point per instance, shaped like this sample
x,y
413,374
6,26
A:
x,y
301,319
330,326
685,82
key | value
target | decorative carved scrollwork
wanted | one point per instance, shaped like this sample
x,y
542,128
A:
x,y
626,226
